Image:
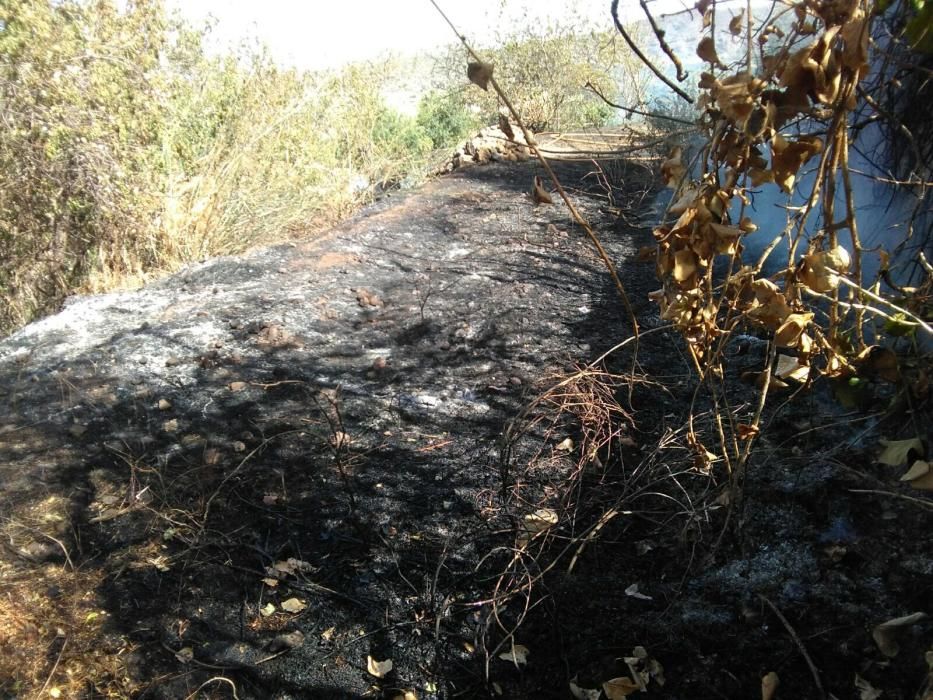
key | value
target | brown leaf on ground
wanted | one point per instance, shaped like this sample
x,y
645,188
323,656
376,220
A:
x,y
769,685
896,453
539,194
920,475
379,669
885,634
365,297
621,687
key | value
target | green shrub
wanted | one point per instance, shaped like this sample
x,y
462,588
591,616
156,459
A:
x,y
128,149
79,147
545,71
445,119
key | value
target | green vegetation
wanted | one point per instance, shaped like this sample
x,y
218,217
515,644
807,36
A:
x,y
128,149
547,73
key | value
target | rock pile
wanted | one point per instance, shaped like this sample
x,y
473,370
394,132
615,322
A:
x,y
490,144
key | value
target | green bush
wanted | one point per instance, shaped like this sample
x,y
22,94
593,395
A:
x,y
128,149
445,119
545,71
79,149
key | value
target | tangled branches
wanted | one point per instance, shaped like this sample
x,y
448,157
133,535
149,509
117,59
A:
x,y
779,116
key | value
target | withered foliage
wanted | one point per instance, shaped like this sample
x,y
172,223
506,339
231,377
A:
x,y
788,106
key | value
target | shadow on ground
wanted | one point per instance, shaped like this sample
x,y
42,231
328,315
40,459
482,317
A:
x,y
258,474
316,423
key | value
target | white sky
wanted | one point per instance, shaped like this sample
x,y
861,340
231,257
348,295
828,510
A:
x,y
326,33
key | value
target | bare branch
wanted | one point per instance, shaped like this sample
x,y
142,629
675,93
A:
x,y
644,59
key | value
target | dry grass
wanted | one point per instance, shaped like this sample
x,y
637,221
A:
x,y
54,636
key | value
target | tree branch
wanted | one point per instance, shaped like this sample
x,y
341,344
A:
x,y
644,59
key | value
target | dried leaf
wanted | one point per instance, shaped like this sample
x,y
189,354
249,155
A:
x,y
787,335
539,194
885,633
772,307
685,264
565,445
270,582
185,655
706,50
632,591
687,199
291,565
787,157
540,520
407,695
620,687
506,127
855,35
760,176
673,169
744,431
735,24
769,685
920,475
789,367
866,691
726,238
518,655
480,74
328,634
583,693
897,452
237,386
293,605
379,669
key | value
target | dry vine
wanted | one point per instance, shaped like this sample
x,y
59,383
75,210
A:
x,y
763,128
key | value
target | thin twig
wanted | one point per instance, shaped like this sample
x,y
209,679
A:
x,y
235,470
803,650
887,302
632,110
644,59
48,679
921,501
665,47
214,680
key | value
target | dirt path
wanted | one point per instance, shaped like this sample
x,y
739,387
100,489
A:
x,y
338,403
261,473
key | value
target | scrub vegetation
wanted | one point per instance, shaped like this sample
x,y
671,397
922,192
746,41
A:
x,y
128,148
746,463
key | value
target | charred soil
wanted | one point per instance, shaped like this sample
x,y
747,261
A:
x,y
267,474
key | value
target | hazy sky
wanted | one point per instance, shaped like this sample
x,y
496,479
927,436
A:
x,y
319,34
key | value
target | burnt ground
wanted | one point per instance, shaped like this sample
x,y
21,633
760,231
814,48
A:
x,y
251,476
